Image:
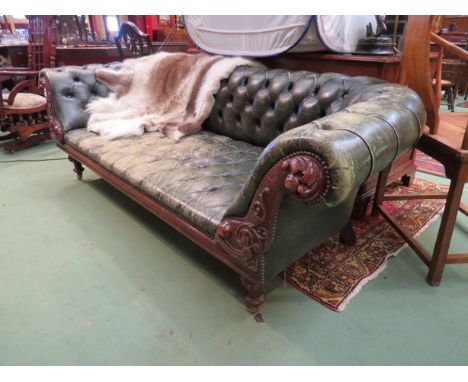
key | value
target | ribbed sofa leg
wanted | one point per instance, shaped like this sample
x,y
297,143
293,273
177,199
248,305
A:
x,y
77,167
255,294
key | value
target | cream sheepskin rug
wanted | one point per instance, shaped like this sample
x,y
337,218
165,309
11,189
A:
x,y
167,92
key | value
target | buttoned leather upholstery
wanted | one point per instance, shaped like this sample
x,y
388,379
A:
x,y
198,177
257,105
356,143
254,105
72,87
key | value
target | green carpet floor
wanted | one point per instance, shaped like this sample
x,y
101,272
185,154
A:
x,y
90,278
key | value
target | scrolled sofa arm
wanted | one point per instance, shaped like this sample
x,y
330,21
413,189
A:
x,y
353,144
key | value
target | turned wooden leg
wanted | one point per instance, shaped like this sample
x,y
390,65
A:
x,y
360,206
255,294
444,236
347,234
380,189
451,99
77,167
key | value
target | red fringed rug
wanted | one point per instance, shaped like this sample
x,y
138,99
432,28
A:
x,y
333,273
425,163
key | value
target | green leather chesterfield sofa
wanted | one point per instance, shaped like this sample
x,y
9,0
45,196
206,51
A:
x,y
274,172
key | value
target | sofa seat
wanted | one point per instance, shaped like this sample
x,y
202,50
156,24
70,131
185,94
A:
x,y
199,176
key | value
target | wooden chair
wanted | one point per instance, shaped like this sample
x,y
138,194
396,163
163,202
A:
x,y
137,43
445,139
455,75
454,70
23,110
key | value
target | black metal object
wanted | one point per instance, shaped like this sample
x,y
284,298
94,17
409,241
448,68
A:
x,y
376,43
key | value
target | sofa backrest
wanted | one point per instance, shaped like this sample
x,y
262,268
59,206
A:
x,y
71,89
256,104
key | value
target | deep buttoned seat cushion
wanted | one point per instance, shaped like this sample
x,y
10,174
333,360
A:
x,y
198,177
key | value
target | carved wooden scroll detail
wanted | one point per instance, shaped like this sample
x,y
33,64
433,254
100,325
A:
x,y
245,238
307,178
303,174
56,128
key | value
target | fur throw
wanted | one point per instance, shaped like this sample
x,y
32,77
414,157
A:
x,y
167,92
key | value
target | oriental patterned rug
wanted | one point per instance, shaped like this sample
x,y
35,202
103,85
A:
x,y
425,163
334,273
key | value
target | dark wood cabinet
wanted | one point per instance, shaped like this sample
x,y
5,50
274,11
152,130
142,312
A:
x,y
17,54
105,54
83,55
385,67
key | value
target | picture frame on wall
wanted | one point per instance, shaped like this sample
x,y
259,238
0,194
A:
x,y
164,20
